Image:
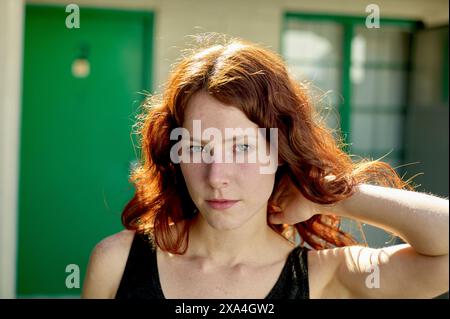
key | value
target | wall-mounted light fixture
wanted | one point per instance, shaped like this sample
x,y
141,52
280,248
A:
x,y
81,68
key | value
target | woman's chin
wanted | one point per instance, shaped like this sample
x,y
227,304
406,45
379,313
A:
x,y
223,223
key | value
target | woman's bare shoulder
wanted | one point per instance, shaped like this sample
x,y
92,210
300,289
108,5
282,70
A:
x,y
322,268
116,243
106,265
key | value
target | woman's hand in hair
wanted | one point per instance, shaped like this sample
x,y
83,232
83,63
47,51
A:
x,y
293,207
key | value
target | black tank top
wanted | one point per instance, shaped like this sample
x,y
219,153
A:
x,y
140,279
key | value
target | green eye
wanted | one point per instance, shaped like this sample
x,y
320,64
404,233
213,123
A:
x,y
195,148
242,147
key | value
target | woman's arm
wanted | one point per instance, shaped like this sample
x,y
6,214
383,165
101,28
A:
x,y
419,219
106,265
418,269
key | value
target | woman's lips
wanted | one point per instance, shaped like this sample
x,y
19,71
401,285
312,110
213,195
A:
x,y
221,204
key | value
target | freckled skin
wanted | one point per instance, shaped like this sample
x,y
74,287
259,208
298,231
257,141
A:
x,y
236,181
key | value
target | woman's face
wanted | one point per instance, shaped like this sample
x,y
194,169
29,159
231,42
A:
x,y
238,178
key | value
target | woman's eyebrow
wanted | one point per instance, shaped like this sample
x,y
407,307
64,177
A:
x,y
193,139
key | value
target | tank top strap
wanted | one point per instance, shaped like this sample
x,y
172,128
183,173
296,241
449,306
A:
x,y
293,282
140,279
300,272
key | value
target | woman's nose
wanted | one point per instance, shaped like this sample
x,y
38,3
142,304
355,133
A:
x,y
219,174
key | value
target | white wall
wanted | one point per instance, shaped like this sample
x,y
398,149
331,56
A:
x,y
256,20
11,18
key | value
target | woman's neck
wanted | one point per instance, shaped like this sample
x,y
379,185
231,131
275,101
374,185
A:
x,y
252,243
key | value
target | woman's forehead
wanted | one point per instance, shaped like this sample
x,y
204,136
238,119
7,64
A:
x,y
212,113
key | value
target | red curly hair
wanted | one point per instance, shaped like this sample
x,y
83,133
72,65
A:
x,y
255,80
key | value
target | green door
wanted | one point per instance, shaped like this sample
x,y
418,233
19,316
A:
x,y
80,95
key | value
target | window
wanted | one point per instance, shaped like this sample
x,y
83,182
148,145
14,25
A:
x,y
362,74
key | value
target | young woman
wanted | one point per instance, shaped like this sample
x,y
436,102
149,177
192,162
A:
x,y
202,226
